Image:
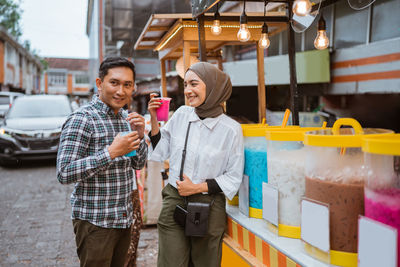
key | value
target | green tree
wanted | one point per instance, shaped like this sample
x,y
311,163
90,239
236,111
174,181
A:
x,y
10,15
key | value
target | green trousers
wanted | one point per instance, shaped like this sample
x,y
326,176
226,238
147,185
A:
x,y
100,247
177,250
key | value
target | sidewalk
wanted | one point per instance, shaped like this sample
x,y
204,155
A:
x,y
148,247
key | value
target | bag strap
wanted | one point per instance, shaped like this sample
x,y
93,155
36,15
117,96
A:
x,y
183,162
184,153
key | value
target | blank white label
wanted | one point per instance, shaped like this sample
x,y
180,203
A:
x,y
377,244
315,224
244,196
270,203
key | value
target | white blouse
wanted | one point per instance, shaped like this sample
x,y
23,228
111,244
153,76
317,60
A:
x,y
214,149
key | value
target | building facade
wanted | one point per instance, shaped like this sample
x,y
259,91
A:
x,y
364,47
20,71
67,76
363,64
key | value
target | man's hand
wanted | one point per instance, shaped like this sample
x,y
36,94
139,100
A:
x,y
187,187
124,144
137,123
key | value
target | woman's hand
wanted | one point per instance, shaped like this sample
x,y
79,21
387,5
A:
x,y
187,187
154,104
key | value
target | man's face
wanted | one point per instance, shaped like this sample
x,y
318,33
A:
x,y
116,88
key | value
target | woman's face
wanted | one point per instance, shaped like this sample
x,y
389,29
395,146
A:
x,y
195,89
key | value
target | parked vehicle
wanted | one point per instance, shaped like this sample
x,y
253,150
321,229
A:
x,y
32,128
6,101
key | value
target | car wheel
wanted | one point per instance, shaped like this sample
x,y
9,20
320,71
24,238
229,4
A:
x,y
10,163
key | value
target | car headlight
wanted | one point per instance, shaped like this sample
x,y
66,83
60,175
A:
x,y
4,132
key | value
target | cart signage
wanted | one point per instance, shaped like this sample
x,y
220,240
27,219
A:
x,y
315,224
244,196
377,244
270,203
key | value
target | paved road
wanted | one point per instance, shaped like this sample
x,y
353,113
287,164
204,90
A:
x,y
35,225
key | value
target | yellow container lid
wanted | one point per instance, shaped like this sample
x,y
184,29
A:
x,y
258,130
342,137
385,145
254,129
290,134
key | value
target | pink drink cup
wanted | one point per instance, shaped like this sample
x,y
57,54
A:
x,y
163,110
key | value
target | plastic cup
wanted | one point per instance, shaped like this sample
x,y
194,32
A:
x,y
163,110
133,152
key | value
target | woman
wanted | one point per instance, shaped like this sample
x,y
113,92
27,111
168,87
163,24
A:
x,y
213,166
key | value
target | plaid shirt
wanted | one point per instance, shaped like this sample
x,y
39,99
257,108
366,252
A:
x,y
103,186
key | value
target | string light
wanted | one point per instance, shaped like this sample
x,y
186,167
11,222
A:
x,y
243,34
216,26
302,7
321,41
264,40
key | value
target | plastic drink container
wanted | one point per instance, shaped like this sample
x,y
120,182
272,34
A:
x,y
255,165
285,161
133,152
163,110
382,187
334,172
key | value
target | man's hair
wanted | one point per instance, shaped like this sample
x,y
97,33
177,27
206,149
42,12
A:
x,y
115,62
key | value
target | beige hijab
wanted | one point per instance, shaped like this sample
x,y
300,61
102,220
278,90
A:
x,y
218,89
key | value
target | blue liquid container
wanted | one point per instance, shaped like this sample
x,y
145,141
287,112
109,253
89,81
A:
x,y
133,152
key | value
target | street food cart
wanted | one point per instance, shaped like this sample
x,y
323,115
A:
x,y
176,37
248,241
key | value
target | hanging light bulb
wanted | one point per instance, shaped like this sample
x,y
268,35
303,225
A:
x,y
243,34
216,26
264,40
302,7
321,41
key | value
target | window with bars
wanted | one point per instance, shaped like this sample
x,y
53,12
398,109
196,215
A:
x,y
81,79
57,78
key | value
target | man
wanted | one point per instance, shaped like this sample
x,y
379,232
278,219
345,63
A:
x,y
92,155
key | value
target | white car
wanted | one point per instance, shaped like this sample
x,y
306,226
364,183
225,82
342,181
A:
x,y
6,101
32,128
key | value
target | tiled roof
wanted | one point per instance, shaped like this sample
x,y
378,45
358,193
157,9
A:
x,y
68,63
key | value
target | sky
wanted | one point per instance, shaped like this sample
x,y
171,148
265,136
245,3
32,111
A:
x,y
56,28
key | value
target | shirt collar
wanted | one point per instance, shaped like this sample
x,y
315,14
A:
x,y
100,105
208,122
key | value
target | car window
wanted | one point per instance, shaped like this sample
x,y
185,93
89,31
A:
x,y
4,100
33,107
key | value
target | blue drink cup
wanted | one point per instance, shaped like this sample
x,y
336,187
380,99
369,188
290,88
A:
x,y
133,152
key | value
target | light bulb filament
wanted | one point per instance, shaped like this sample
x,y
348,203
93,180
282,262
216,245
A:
x,y
321,41
216,27
243,33
302,7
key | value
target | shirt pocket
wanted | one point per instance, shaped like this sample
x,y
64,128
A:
x,y
211,162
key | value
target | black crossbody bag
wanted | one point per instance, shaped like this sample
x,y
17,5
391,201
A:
x,y
193,217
